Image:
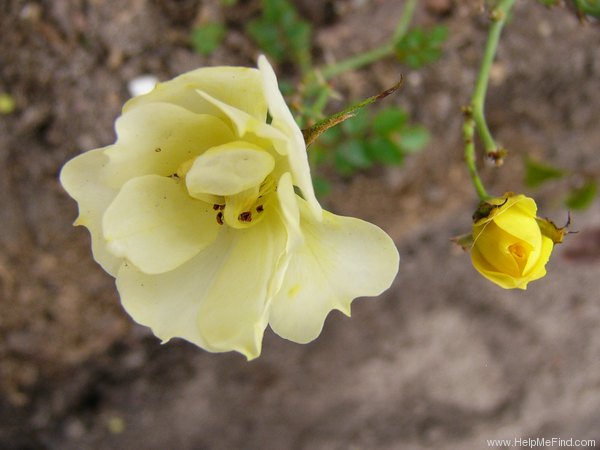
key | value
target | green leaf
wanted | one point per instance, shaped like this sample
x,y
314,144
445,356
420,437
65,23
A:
x,y
267,37
414,138
430,55
228,2
352,155
317,155
388,120
281,33
321,185
536,173
331,136
385,151
584,196
298,34
286,87
413,61
437,36
357,125
206,38
590,7
419,47
343,167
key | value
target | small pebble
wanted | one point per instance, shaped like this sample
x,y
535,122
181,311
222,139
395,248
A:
x,y
439,7
7,104
141,85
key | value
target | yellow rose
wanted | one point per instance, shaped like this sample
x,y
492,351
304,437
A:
x,y
508,247
196,211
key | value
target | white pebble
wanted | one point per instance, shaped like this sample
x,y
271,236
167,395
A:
x,y
141,85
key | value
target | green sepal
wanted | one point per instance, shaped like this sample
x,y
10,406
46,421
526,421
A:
x,y
484,209
312,133
550,230
466,241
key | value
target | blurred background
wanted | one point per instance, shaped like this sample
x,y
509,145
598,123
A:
x,y
443,360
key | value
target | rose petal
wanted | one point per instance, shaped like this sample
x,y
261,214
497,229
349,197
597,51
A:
x,y
154,224
289,211
83,178
157,138
519,222
488,271
296,147
248,127
239,87
526,204
493,243
537,271
342,258
536,266
506,202
217,300
229,169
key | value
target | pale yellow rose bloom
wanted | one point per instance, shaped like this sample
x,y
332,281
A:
x,y
204,211
509,248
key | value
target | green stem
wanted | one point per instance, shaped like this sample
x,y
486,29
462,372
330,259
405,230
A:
x,y
377,53
407,14
474,115
469,136
357,61
319,104
498,16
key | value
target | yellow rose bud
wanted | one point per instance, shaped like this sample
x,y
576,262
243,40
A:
x,y
509,247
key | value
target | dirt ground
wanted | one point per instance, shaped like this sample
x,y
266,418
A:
x,y
443,360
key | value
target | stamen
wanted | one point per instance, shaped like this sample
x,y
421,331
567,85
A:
x,y
220,218
260,208
245,217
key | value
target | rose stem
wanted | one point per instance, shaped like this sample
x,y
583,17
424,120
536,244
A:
x,y
474,114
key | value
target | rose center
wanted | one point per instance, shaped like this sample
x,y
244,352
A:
x,y
519,253
235,178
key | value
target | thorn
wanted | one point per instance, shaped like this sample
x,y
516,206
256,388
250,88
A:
x,y
391,90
